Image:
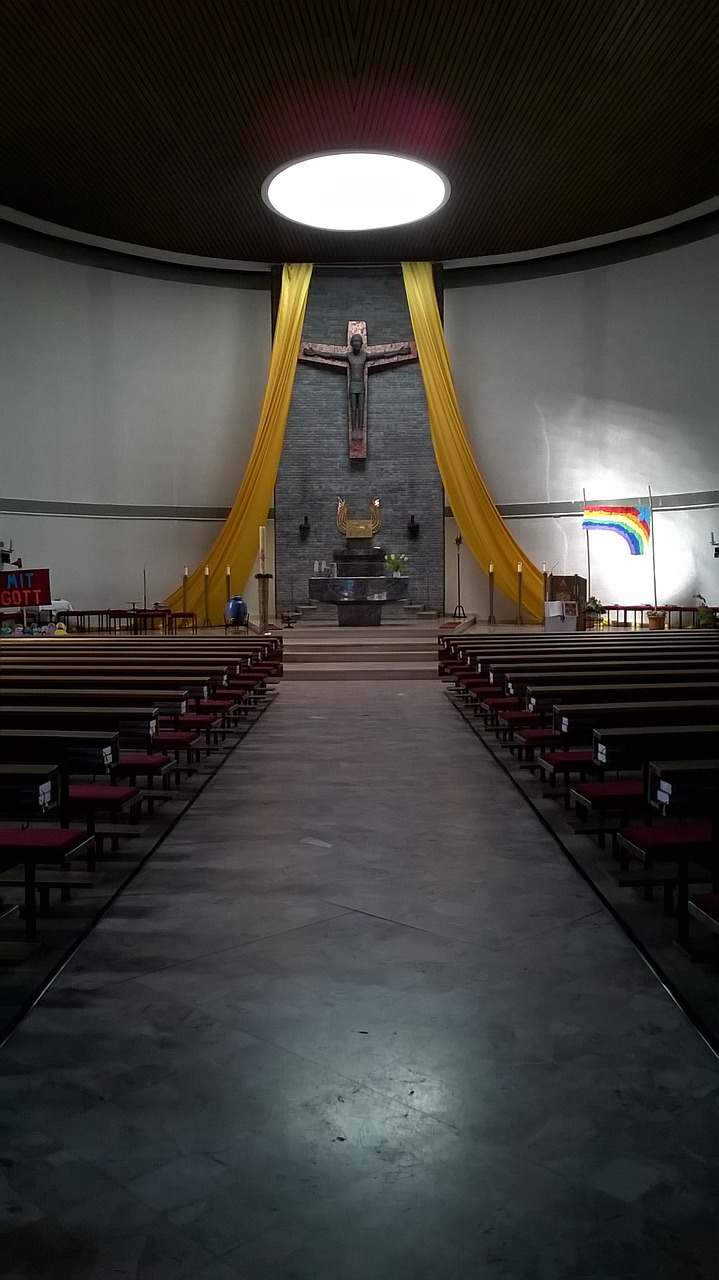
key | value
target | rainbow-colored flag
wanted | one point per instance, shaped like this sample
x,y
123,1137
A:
x,y
633,523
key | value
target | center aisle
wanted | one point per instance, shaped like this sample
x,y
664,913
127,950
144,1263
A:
x,y
358,1019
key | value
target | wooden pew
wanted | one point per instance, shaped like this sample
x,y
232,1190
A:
x,y
630,749
577,723
29,790
690,787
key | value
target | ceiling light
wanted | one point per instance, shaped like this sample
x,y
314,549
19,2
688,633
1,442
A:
x,y
355,191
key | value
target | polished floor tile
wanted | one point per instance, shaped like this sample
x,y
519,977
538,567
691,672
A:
x,y
358,1018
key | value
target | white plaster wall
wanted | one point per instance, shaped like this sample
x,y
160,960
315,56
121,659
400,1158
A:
x,y
121,389
607,380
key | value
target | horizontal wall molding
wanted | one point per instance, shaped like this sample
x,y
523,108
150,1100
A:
x,y
573,510
89,255
215,515
563,263
109,511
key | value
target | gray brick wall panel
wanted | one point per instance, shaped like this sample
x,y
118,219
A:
x,y
400,466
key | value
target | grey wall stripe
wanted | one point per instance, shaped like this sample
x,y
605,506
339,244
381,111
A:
x,y
109,511
583,259
90,255
509,510
660,502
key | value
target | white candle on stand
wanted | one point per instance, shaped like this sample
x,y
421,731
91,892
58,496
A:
x,y
263,536
519,567
491,566
544,566
207,570
186,572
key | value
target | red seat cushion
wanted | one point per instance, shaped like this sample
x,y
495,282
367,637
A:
x,y
521,717
136,760
499,701
100,793
668,834
620,790
538,736
197,722
54,839
558,759
174,737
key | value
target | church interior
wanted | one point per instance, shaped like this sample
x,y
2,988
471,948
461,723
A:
x,y
359,640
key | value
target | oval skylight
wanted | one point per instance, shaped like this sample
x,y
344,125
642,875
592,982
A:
x,y
355,191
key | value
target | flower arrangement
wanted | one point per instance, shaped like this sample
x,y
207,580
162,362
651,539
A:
x,y
594,608
395,562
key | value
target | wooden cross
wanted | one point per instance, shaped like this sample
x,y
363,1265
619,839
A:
x,y
358,359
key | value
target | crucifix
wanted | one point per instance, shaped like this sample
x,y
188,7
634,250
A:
x,y
358,359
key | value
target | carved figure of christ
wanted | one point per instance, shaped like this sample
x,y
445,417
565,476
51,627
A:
x,y
358,359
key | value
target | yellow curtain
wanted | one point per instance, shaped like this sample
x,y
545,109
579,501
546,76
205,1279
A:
x,y
479,521
238,541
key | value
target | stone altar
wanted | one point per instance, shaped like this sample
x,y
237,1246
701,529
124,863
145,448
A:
x,y
362,585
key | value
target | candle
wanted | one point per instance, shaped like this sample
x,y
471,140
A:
x,y
491,566
207,570
186,572
263,533
544,566
227,571
519,567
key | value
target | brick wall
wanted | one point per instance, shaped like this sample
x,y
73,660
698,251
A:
x,y
400,468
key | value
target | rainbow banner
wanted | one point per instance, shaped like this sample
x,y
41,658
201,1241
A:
x,y
632,523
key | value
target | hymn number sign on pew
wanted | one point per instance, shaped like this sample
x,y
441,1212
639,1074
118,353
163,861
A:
x,y
24,588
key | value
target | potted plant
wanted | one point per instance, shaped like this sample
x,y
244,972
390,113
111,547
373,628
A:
x,y
593,612
705,616
656,618
396,563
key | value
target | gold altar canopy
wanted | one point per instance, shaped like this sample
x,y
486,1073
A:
x,y
480,523
236,544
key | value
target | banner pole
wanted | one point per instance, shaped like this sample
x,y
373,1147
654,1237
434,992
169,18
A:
x,y
651,539
589,558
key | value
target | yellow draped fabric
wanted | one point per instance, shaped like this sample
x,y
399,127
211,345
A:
x,y
479,521
238,540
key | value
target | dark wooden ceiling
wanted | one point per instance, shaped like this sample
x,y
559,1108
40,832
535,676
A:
x,y
156,121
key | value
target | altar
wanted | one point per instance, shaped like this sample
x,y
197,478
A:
x,y
359,600
360,583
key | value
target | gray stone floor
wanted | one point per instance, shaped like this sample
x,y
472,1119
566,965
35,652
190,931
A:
x,y
358,1019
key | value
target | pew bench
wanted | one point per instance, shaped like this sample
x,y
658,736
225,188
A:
x,y
689,788
32,847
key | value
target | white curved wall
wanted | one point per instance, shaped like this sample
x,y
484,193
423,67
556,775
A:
x,y
605,379
122,389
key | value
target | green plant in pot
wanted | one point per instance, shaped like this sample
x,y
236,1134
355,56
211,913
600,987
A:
x,y
656,617
395,562
594,611
706,617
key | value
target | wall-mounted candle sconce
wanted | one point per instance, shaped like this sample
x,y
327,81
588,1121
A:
x,y
413,527
305,529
